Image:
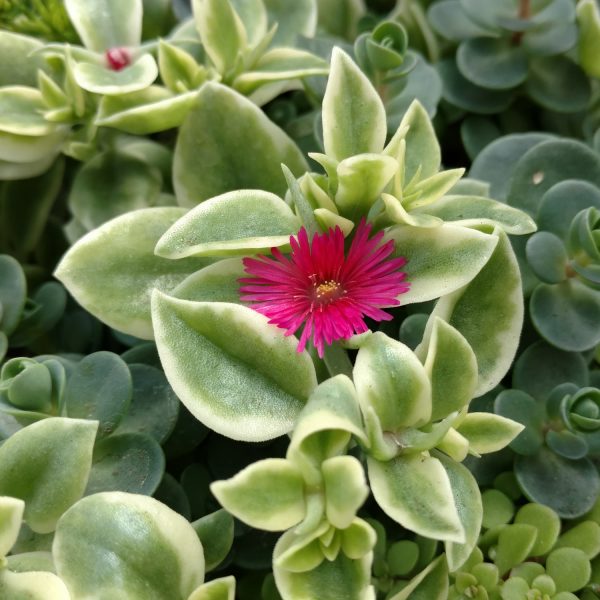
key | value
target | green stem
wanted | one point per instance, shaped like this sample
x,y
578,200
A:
x,y
337,361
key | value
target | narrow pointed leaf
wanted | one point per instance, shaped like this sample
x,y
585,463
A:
x,y
353,114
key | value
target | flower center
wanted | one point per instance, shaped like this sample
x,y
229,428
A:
x,y
118,58
326,292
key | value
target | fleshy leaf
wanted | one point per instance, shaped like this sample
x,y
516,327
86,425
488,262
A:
x,y
430,584
218,282
47,465
150,110
390,379
217,589
246,380
99,79
440,260
488,312
487,432
222,32
353,114
361,179
325,426
11,515
242,146
471,211
422,147
13,292
467,499
268,494
34,585
106,24
235,223
215,531
124,545
112,270
346,578
451,366
345,489
280,64
415,491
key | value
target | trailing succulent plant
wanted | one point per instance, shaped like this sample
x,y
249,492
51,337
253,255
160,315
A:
x,y
294,353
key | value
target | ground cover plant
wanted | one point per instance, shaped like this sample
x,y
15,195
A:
x,y
299,299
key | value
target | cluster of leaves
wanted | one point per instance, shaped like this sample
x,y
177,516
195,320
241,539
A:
x,y
148,149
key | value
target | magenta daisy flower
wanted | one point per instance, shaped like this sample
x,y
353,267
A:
x,y
320,287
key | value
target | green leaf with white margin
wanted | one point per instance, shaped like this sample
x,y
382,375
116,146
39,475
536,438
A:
x,y
217,589
488,432
112,270
430,189
324,427
280,64
488,312
20,59
303,551
105,24
222,32
430,584
422,147
390,379
32,586
21,111
467,500
242,146
470,211
353,113
416,492
440,259
236,223
13,293
118,545
150,110
345,489
588,45
268,494
99,79
179,70
47,465
234,372
361,179
218,282
293,19
342,578
11,515
451,366
10,171
253,14
215,531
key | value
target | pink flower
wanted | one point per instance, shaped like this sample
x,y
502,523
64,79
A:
x,y
319,286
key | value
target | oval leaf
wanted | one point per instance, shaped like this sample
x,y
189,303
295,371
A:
x,y
440,259
236,223
115,545
47,465
227,143
268,494
112,270
246,380
416,492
